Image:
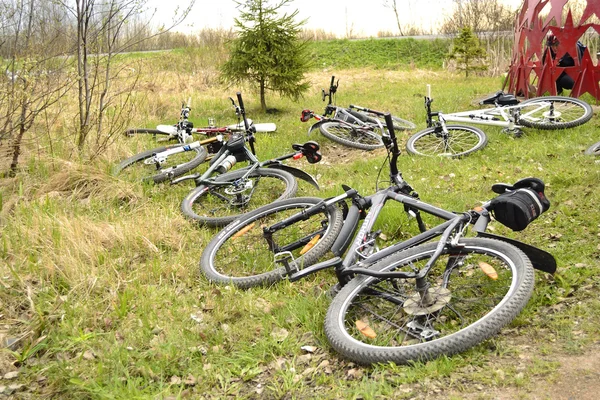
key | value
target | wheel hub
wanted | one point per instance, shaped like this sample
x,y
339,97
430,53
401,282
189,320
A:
x,y
552,115
238,188
440,297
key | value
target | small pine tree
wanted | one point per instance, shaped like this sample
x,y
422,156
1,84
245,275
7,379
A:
x,y
467,52
267,52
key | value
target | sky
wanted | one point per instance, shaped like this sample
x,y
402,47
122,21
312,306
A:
x,y
362,18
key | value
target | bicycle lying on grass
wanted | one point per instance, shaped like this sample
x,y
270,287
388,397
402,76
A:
x,y
440,139
414,300
354,126
184,126
167,162
220,196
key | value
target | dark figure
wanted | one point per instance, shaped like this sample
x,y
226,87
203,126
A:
x,y
564,81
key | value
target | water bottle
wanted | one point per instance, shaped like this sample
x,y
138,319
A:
x,y
211,123
226,164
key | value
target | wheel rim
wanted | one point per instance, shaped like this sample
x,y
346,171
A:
x,y
459,141
563,112
153,166
387,313
248,251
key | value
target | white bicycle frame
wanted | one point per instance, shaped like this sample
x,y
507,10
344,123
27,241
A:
x,y
502,116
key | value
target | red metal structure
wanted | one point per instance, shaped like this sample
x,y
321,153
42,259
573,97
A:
x,y
528,75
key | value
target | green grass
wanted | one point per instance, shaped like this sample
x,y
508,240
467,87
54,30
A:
x,y
99,276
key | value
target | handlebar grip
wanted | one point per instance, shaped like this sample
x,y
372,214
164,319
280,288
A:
x,y
390,124
240,101
332,80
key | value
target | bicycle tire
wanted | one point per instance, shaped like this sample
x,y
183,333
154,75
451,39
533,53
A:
x,y
462,140
444,321
357,137
593,150
180,163
399,123
137,131
571,112
211,205
240,254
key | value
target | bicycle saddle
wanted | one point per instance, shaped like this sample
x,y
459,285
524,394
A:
x,y
310,150
533,183
501,98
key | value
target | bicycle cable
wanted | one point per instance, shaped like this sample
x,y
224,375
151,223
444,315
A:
x,y
385,161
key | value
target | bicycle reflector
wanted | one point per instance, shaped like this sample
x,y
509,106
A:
x,y
306,115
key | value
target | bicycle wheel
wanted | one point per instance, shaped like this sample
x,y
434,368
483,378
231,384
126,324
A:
x,y
567,112
384,320
460,141
241,254
593,150
399,123
352,136
147,166
219,204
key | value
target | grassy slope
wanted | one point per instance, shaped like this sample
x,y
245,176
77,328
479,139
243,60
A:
x,y
99,275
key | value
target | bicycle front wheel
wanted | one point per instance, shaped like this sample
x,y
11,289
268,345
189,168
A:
x,y
459,141
563,112
244,255
472,292
149,165
233,195
353,136
593,150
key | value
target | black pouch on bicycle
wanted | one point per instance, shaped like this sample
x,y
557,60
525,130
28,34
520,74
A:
x,y
236,143
516,209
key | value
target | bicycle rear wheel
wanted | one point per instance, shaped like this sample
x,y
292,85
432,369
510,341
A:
x,y
241,254
399,123
567,112
352,136
149,166
459,141
593,150
375,320
233,195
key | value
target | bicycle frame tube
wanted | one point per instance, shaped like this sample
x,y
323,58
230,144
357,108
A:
x,y
498,116
205,178
377,203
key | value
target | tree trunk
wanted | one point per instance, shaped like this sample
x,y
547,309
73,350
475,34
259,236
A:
x,y
263,103
16,152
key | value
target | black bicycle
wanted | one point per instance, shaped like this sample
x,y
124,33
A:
x,y
354,126
222,193
414,300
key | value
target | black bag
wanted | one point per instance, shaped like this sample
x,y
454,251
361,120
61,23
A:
x,y
521,203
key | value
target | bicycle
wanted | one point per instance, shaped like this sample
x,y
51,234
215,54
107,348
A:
x,y
440,139
179,130
593,150
221,195
167,162
414,300
355,126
